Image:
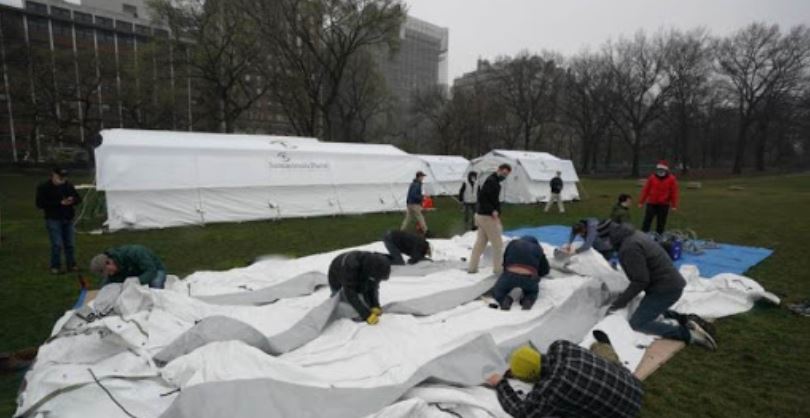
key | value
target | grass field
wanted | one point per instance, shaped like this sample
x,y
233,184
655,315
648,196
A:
x,y
761,369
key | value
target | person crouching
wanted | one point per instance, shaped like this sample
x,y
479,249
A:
x,y
524,264
400,242
358,274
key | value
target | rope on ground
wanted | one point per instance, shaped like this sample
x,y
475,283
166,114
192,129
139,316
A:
x,y
112,398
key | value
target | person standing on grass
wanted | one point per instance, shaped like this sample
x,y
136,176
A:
x,y
414,205
358,274
468,195
119,263
650,270
556,185
569,381
660,193
524,264
488,220
414,246
620,213
57,199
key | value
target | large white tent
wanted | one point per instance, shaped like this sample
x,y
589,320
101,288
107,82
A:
x,y
531,174
156,179
446,173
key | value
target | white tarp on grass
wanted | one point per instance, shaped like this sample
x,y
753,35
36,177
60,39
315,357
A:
x,y
350,368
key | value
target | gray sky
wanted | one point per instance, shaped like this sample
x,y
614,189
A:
x,y
488,28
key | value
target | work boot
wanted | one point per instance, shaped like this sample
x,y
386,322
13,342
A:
x,y
506,303
700,337
527,303
706,325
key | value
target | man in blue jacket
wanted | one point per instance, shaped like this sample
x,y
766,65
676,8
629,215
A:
x,y
524,264
414,205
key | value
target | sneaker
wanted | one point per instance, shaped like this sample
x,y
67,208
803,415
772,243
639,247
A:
x,y
56,271
700,337
527,303
706,325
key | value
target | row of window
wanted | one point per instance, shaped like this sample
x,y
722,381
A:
x,y
81,17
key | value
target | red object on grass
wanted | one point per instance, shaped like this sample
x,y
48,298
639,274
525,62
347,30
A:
x,y
427,202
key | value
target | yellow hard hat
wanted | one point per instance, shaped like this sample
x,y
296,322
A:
x,y
525,364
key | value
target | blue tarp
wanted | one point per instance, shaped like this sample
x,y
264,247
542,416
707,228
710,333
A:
x,y
728,258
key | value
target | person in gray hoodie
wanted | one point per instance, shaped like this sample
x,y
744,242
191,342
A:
x,y
649,269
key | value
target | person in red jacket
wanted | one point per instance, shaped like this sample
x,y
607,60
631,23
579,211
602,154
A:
x,y
660,193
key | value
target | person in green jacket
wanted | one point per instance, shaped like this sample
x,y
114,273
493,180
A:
x,y
621,210
118,263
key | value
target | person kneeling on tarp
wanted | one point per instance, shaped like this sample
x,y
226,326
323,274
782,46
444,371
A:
x,y
399,242
524,264
569,381
649,269
118,263
587,229
359,274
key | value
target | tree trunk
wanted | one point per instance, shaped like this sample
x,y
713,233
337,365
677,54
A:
x,y
684,151
527,135
762,142
585,154
636,141
739,154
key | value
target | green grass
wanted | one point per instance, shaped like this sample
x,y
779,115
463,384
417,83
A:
x,y
761,369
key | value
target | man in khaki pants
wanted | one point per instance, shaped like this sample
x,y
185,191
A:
x,y
414,205
488,221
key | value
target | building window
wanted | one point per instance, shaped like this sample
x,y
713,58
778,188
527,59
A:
x,y
130,10
36,7
83,17
104,21
123,26
60,12
141,30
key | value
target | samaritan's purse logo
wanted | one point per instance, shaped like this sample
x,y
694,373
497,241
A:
x,y
282,160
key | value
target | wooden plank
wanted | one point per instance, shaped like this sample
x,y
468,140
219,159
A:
x,y
656,356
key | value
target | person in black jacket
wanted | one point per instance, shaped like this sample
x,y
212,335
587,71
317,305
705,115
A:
x,y
468,195
414,205
650,270
358,274
556,185
398,242
57,198
524,263
488,220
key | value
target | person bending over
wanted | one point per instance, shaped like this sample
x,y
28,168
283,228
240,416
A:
x,y
524,264
414,246
358,274
118,263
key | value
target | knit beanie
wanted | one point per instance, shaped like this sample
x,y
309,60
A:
x,y
525,364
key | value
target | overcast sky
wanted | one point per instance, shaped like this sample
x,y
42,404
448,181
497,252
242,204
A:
x,y
488,28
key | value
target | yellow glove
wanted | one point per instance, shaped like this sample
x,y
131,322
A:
x,y
377,311
373,319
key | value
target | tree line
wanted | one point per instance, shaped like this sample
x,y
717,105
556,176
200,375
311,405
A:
x,y
695,99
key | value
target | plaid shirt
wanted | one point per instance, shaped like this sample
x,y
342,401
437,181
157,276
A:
x,y
575,383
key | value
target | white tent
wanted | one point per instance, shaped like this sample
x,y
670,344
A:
x,y
446,173
531,174
156,179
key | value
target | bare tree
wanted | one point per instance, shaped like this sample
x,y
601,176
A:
x,y
640,87
527,86
363,97
583,106
759,63
226,52
312,43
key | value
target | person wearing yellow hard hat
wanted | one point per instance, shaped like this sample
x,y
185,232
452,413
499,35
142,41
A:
x,y
568,381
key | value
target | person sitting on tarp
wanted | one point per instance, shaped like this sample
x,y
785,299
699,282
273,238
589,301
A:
x,y
118,263
524,263
587,229
399,242
569,381
650,270
621,210
358,274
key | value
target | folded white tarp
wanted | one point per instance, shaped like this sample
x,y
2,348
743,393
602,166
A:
x,y
285,354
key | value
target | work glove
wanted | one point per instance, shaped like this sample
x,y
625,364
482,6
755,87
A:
x,y
373,319
377,311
